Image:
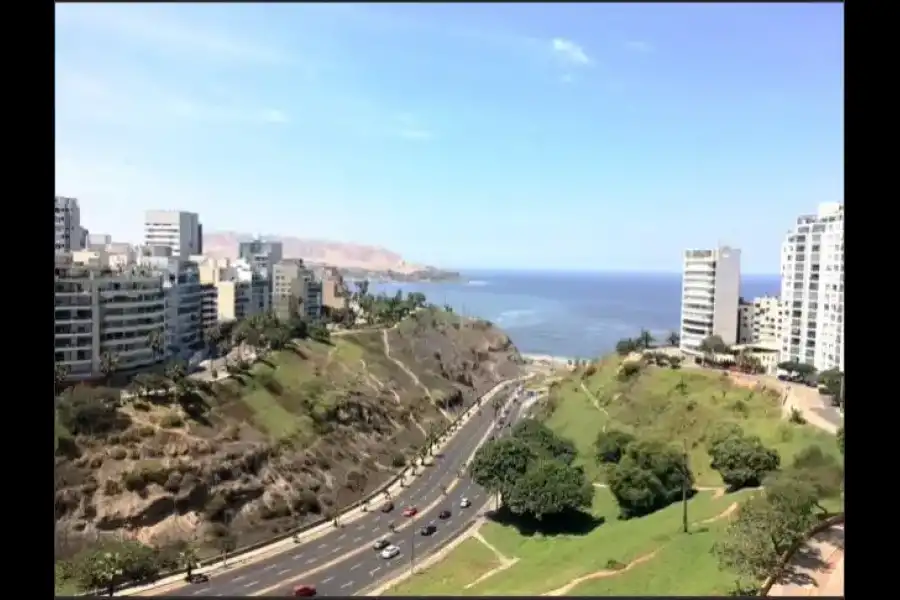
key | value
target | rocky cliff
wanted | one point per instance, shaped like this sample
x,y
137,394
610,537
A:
x,y
306,431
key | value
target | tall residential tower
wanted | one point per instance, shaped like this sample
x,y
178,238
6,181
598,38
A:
x,y
710,293
69,234
179,230
812,289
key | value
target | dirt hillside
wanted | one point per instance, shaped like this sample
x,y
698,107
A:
x,y
310,429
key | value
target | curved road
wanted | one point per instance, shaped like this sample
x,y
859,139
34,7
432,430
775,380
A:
x,y
342,562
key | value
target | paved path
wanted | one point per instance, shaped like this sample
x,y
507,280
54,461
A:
x,y
342,562
817,569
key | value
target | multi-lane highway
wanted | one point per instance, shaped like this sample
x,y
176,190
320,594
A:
x,y
343,562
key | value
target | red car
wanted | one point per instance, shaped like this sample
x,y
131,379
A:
x,y
410,511
305,590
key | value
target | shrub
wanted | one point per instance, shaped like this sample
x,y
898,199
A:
x,y
111,487
118,453
171,421
398,461
133,481
629,370
306,502
797,417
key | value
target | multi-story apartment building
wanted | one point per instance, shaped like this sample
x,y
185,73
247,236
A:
x,y
759,322
101,311
710,292
334,294
261,255
98,240
232,290
69,233
179,230
812,289
184,300
295,292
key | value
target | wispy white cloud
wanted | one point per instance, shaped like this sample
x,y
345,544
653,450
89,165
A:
x,y
149,26
131,99
639,46
570,52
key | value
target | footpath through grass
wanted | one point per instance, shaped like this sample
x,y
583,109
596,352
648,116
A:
x,y
470,560
677,407
550,561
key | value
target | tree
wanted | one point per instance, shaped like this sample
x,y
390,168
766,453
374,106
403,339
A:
x,y
840,438
673,339
610,445
499,464
712,345
109,362
743,461
543,442
103,570
626,346
821,471
766,527
645,339
156,339
650,476
188,560
60,374
549,488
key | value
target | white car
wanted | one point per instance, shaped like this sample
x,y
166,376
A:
x,y
464,503
390,552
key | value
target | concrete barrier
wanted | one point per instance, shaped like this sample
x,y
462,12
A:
x,y
827,523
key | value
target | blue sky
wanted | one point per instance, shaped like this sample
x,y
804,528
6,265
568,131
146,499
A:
x,y
583,136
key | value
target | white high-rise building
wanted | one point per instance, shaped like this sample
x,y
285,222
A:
x,y
812,289
69,234
710,293
179,230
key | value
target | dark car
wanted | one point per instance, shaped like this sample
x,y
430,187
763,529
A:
x,y
427,530
444,514
387,507
198,578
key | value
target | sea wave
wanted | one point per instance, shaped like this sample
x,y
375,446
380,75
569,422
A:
x,y
477,282
518,318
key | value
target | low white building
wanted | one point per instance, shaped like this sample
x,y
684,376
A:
x,y
710,292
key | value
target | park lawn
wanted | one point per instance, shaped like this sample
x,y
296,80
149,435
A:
x,y
465,564
686,566
652,405
548,562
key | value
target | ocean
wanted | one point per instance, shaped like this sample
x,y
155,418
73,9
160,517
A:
x,y
579,315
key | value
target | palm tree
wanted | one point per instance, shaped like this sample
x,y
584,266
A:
x,y
674,339
188,560
645,339
109,362
156,339
60,373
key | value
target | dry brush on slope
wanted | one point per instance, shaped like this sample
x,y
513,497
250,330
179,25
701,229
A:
x,y
311,429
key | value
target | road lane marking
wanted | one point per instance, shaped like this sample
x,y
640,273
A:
x,y
299,556
336,550
357,539
327,579
283,571
361,527
311,560
251,584
342,537
321,546
270,567
373,571
346,585
356,566
239,577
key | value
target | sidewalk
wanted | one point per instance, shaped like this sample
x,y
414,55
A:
x,y
172,582
817,569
